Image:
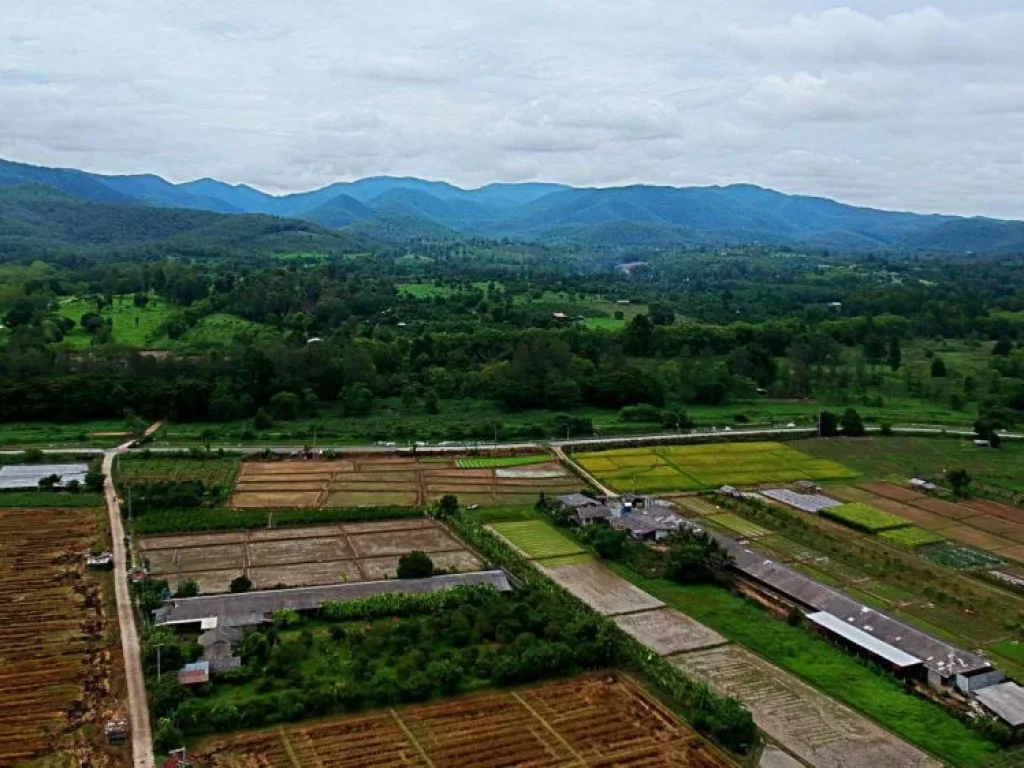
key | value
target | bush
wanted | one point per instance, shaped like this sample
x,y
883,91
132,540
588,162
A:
x,y
241,584
187,588
415,565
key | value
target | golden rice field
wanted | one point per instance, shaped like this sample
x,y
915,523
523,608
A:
x,y
666,468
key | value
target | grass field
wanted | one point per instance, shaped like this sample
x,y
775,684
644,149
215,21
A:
x,y
483,462
864,518
911,537
691,467
902,457
106,433
537,539
133,326
880,697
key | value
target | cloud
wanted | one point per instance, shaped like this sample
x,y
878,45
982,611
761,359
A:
x,y
893,103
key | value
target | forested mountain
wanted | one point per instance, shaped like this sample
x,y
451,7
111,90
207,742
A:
x,y
617,216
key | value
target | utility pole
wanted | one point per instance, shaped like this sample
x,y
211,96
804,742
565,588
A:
x,y
158,647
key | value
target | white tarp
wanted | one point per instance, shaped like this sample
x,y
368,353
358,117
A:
x,y
15,476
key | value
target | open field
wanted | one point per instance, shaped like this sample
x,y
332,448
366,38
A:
x,y
816,728
900,458
396,481
588,721
537,539
691,467
666,631
57,654
132,326
300,557
602,590
42,434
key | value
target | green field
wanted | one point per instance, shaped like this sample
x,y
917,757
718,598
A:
x,y
133,326
864,518
538,539
960,557
500,461
213,471
911,537
902,457
826,667
49,500
692,467
737,524
85,434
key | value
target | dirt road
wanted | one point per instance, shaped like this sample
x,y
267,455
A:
x,y
138,706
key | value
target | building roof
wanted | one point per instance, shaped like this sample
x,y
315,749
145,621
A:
x,y
1005,700
577,500
592,513
870,643
14,476
937,655
196,672
254,605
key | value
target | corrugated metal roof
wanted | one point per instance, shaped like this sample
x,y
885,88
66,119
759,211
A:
x,y
254,605
15,476
937,655
1005,700
862,639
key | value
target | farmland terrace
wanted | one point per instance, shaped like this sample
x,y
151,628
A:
x,y
597,720
303,556
377,480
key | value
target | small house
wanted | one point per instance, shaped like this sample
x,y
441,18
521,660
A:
x,y
584,510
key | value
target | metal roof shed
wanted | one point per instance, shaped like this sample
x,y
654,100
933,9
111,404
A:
x,y
1005,701
861,639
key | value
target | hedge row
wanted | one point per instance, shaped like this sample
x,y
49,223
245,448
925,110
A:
x,y
222,519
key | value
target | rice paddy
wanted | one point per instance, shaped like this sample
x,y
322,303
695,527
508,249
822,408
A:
x,y
537,539
657,469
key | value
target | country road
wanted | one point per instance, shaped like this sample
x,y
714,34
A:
x,y
138,705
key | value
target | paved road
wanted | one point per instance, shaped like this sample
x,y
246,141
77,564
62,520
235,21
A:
x,y
138,706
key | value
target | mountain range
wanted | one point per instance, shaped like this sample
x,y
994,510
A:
x,y
387,207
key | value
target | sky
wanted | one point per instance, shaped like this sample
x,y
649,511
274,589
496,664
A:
x,y
887,103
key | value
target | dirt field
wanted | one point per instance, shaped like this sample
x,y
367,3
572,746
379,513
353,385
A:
x,y
602,590
299,557
667,631
589,721
58,658
394,481
814,727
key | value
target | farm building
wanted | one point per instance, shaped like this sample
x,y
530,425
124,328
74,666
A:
x,y
249,608
900,663
218,648
585,510
195,673
944,665
27,476
1005,701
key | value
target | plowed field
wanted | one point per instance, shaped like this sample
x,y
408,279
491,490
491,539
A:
x,y
589,721
55,662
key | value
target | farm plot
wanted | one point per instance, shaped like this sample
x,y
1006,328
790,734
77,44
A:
x,y
537,539
602,590
214,471
55,661
864,518
589,721
736,524
666,631
693,467
812,726
377,481
300,557
911,537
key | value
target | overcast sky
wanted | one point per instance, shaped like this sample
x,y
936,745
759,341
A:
x,y
877,102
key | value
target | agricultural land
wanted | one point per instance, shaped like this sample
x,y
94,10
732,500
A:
x,y
662,469
61,676
376,481
300,557
587,721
